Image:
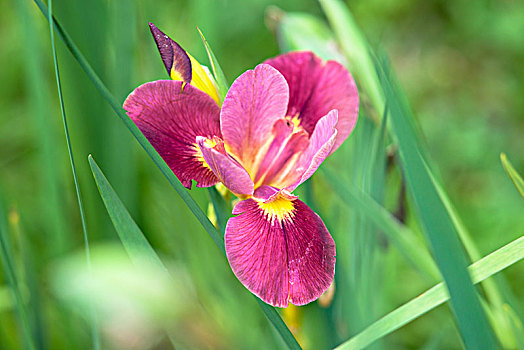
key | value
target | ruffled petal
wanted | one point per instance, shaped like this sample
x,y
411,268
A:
x,y
320,145
228,171
255,101
317,87
280,250
171,119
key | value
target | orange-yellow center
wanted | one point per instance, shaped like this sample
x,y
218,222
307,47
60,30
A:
x,y
280,209
209,143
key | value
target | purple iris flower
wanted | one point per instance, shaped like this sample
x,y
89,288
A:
x,y
275,126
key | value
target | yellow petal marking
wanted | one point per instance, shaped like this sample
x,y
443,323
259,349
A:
x,y
202,81
175,75
198,153
295,121
199,79
280,209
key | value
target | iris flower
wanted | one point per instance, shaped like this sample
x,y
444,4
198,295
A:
x,y
276,125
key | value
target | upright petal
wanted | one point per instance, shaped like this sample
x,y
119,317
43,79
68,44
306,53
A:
x,y
180,65
203,80
228,171
280,171
171,119
280,250
320,145
175,58
317,87
255,101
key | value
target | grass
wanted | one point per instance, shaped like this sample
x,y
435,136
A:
x,y
93,320
408,215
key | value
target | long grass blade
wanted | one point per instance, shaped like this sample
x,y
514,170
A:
x,y
284,332
164,168
133,239
405,240
438,226
480,270
137,245
437,216
39,107
94,331
8,266
355,47
512,173
128,231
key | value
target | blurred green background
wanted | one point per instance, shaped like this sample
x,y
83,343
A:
x,y
460,64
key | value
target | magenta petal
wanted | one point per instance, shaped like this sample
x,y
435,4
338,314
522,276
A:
x,y
255,101
268,194
320,145
281,251
228,171
173,55
171,119
317,87
282,167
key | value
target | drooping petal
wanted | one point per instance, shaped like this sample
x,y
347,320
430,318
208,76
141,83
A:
x,y
321,143
181,65
280,250
228,171
171,119
315,88
255,101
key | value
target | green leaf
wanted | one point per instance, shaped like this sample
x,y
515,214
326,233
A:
x,y
164,168
480,270
129,233
221,206
513,174
300,31
362,63
39,98
438,225
403,238
8,267
356,49
269,311
93,321
516,325
139,248
220,78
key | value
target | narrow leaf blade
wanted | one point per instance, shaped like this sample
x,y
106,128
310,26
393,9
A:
x,y
438,225
128,231
480,270
93,318
215,67
8,266
405,240
512,173
277,322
